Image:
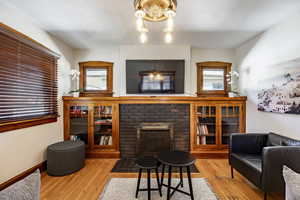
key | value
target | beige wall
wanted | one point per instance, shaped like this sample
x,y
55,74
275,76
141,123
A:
x,y
25,148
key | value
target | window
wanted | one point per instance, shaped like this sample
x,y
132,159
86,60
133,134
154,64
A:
x,y
28,85
211,78
96,78
153,82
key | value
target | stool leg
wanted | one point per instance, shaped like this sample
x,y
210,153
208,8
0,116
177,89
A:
x,y
149,183
162,175
181,179
158,184
138,184
190,182
169,182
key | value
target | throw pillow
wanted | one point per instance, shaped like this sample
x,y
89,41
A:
x,y
292,181
25,189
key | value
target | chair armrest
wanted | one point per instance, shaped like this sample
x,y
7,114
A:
x,y
272,164
250,143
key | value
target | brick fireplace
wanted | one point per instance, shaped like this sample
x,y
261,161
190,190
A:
x,y
132,115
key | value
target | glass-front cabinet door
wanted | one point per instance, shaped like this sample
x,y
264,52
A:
x,y
206,125
79,123
94,124
103,126
231,121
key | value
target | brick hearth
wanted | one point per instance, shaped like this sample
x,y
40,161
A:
x,y
131,115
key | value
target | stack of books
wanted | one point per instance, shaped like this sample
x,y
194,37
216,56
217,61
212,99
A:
x,y
106,140
202,132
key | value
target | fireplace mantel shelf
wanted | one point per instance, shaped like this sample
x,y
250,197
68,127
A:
x,y
155,99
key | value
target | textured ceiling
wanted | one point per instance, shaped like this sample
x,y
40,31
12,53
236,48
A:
x,y
199,23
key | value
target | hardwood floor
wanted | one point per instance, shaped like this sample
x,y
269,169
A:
x,y
88,183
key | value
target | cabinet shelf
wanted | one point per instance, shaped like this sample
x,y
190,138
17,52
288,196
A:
x,y
209,135
209,124
104,124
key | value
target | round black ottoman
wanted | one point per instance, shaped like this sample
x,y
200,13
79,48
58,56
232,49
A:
x,y
65,157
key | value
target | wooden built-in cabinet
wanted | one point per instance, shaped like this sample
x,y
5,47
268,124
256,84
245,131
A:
x,y
95,120
213,123
95,123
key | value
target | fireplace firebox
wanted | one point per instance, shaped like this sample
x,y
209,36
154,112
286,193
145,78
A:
x,y
153,138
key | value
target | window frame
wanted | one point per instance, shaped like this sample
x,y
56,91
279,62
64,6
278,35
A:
x,y
24,122
83,66
212,65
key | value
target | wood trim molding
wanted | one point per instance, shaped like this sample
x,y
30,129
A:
x,y
40,166
26,123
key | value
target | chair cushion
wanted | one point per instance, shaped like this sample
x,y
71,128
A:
x,y
292,180
249,165
27,188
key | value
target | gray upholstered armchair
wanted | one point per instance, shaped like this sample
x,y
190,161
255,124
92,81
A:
x,y
261,157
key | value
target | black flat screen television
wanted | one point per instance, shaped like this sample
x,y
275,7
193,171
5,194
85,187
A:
x,y
155,76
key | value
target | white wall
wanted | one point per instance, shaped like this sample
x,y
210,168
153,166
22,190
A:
x,y
119,54
25,148
256,59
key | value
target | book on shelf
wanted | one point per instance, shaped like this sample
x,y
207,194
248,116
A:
x,y
103,121
103,110
105,140
202,132
78,111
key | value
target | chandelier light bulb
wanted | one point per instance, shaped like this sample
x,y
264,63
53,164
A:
x,y
143,37
170,24
170,13
168,38
140,23
139,13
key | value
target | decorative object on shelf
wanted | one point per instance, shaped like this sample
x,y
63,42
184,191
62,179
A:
x,y
155,11
74,73
230,77
281,93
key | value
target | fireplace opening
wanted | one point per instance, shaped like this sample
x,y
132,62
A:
x,y
153,138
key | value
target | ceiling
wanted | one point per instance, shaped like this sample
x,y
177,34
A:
x,y
199,23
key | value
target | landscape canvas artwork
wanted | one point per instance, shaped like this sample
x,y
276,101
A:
x,y
281,93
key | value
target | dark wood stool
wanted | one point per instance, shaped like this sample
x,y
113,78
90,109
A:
x,y
176,159
147,163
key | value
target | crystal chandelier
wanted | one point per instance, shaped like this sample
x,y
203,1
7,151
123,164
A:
x,y
155,11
